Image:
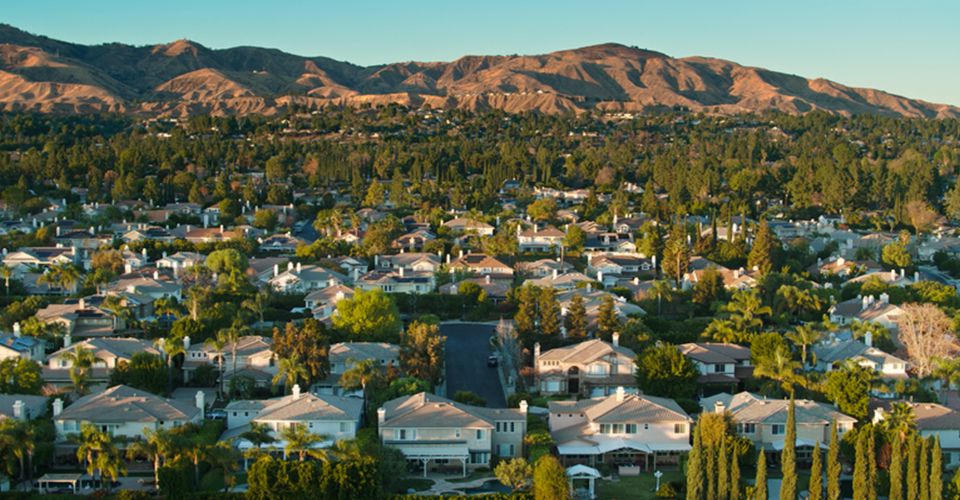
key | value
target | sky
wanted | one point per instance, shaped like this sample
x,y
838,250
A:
x,y
908,48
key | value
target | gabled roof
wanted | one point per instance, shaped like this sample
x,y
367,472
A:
x,y
120,348
428,410
329,294
750,408
362,350
631,408
479,261
715,353
851,349
250,345
312,407
585,352
126,404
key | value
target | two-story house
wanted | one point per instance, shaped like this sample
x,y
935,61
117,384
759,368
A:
x,y
483,265
22,406
399,281
934,420
300,278
594,368
469,225
124,412
19,346
254,359
332,416
723,365
109,351
866,309
342,354
620,430
543,267
889,367
539,240
764,421
439,433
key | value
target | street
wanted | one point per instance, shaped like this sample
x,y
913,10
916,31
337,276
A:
x,y
467,349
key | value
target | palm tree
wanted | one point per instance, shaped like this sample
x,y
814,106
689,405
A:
x,y
197,297
110,464
303,442
289,370
345,450
900,420
6,273
114,305
258,305
745,310
803,336
196,451
62,275
947,371
171,347
156,445
360,373
18,436
259,435
167,307
81,362
96,449
218,344
660,288
233,334
781,367
223,457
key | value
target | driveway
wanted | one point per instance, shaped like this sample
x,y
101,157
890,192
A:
x,y
467,349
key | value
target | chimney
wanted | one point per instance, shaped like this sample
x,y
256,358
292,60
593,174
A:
x,y
221,228
298,268
555,273
616,339
448,258
381,416
461,254
164,254
885,298
18,411
868,339
276,270
736,274
199,398
636,281
864,302
67,340
127,268
916,277
600,277
401,271
295,392
589,288
718,407
487,279
524,407
186,342
356,274
57,407
289,266
893,275
654,260
58,231
376,261
536,354
620,394
16,329
156,275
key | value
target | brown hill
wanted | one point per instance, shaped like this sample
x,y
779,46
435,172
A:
x,y
184,77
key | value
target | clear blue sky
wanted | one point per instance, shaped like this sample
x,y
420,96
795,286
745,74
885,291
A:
x,y
909,48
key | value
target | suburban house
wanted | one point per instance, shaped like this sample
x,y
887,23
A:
x,y
153,287
340,356
124,412
495,292
39,257
622,266
279,243
469,225
548,239
887,365
332,416
109,351
544,267
725,365
260,270
609,242
764,421
22,406
439,433
482,265
413,241
411,261
399,281
559,282
144,232
19,346
593,367
328,296
866,309
844,268
626,430
935,420
82,318
300,278
209,234
80,238
180,261
254,359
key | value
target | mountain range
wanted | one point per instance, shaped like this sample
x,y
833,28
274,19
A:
x,y
185,78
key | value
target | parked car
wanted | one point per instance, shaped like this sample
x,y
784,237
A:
x,y
217,414
492,361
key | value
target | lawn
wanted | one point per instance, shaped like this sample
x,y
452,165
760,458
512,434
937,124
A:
x,y
641,486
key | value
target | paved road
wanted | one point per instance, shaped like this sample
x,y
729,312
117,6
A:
x,y
308,233
468,346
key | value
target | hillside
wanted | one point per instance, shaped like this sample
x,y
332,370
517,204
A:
x,y
183,77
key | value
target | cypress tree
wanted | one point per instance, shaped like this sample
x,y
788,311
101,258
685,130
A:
x,y
816,475
763,254
833,465
760,489
896,469
788,457
711,469
860,468
871,465
936,470
734,476
924,472
695,468
913,491
723,473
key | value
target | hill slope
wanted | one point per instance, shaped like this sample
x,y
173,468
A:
x,y
180,78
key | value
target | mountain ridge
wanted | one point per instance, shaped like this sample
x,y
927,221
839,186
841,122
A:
x,y
183,77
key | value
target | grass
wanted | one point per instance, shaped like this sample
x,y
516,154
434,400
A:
x,y
472,476
641,486
413,483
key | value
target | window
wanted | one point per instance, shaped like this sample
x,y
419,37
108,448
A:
x,y
718,368
778,429
310,425
479,457
457,433
604,428
234,414
246,414
631,428
745,428
343,427
498,426
646,427
618,428
679,428
479,434
512,428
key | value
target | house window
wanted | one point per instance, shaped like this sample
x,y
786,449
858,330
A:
x,y
631,428
245,414
343,427
597,369
618,428
605,428
512,428
457,433
718,368
479,457
479,434
746,428
646,427
498,426
234,414
679,428
778,429
310,425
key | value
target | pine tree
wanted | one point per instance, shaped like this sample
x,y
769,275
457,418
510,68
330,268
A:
x,y
607,320
816,475
833,465
549,314
924,471
860,468
734,476
871,465
763,254
526,315
760,489
913,490
695,468
896,469
788,457
723,471
576,319
936,470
